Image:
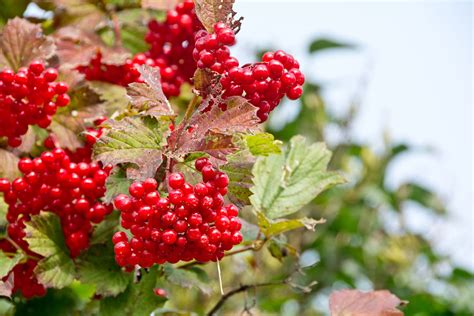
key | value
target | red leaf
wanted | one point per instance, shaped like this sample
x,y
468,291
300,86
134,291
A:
x,y
357,303
149,96
210,12
211,131
77,47
21,42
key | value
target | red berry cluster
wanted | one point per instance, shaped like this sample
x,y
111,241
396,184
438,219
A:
x,y
264,84
29,97
24,280
172,46
52,182
116,74
192,222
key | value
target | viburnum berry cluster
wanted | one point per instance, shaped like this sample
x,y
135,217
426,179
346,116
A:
x,y
53,183
29,97
172,44
192,222
117,74
264,84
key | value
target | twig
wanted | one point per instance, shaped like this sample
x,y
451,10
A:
x,y
242,288
256,246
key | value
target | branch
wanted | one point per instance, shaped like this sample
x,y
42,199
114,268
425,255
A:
x,y
255,246
242,288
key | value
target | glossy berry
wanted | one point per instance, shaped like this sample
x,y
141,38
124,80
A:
x,y
29,97
263,84
192,222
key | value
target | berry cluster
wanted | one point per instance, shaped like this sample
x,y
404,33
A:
x,y
192,222
24,279
29,97
116,74
264,84
172,46
53,183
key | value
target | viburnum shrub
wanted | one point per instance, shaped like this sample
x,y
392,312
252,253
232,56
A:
x,y
124,193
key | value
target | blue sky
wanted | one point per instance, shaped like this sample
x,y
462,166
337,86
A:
x,y
416,59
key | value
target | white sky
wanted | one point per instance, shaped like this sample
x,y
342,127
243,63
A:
x,y
417,57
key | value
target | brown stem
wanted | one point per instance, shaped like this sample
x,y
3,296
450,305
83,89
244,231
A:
x,y
255,246
242,288
21,250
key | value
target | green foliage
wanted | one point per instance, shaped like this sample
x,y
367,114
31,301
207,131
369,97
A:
x,y
116,183
8,262
286,182
45,237
137,300
97,266
189,279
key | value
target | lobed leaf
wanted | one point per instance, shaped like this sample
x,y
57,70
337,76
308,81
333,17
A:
x,y
134,140
149,97
76,46
284,183
97,266
45,237
22,42
354,302
209,132
8,263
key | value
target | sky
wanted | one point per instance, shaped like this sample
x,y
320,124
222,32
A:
x,y
415,70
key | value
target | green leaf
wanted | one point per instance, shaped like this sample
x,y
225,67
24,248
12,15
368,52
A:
x,y
8,263
239,170
113,97
263,144
272,228
117,183
97,266
45,237
8,165
104,231
186,278
137,300
324,44
148,97
134,140
285,183
7,308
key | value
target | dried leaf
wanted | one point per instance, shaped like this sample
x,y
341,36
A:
x,y
8,165
210,12
22,42
209,132
77,47
149,97
6,287
356,303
